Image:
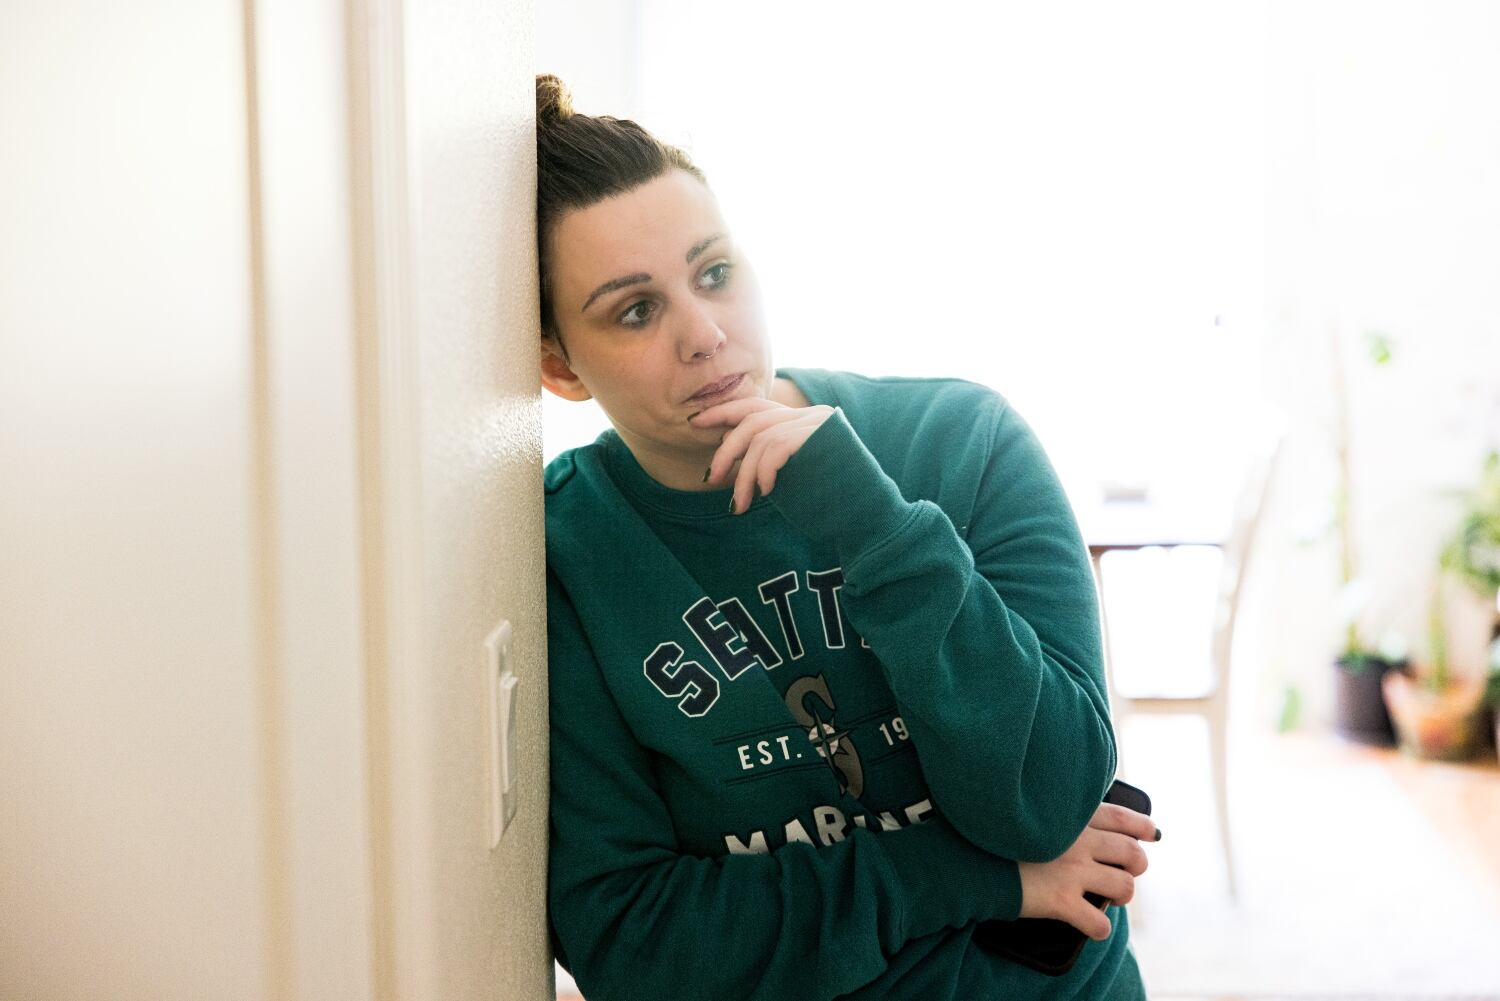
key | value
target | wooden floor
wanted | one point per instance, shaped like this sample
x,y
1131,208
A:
x,y
1364,875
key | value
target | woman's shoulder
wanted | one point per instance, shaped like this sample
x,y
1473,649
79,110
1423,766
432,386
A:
x,y
570,486
905,392
575,494
932,435
568,465
562,468
898,415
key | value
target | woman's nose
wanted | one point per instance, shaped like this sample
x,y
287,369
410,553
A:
x,y
701,336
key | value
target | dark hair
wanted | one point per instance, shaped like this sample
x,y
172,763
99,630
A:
x,y
583,159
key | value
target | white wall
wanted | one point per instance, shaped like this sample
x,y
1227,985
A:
x,y
270,428
312,602
1384,214
141,805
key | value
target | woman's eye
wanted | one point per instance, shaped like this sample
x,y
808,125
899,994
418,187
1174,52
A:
x,y
639,314
719,275
640,318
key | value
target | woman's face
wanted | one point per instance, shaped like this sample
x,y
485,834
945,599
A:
x,y
654,302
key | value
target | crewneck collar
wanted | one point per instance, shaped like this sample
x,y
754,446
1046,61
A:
x,y
632,477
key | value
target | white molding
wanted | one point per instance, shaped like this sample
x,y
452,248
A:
x,y
388,359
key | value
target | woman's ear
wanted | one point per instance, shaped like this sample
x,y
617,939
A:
x,y
558,377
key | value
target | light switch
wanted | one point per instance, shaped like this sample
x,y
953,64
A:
x,y
501,768
509,762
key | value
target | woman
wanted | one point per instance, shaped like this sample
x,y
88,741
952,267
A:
x,y
826,681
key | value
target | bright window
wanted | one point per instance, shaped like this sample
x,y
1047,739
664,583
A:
x,y
1063,201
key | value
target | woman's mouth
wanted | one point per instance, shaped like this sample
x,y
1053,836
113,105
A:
x,y
718,389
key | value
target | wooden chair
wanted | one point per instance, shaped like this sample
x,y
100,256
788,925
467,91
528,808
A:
x,y
1214,704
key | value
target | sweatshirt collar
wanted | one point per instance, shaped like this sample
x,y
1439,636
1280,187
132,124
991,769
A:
x,y
633,479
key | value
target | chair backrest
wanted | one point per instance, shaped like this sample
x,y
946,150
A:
x,y
1249,506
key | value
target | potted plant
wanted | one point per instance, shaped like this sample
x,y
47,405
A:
x,y
1360,708
1473,555
1360,712
1437,714
1492,689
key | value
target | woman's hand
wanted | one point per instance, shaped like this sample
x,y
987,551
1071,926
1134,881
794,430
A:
x,y
1055,889
764,435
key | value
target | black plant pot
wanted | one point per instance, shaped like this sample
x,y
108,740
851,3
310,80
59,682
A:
x,y
1489,728
1359,705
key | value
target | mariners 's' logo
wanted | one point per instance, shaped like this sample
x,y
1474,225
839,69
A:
x,y
833,745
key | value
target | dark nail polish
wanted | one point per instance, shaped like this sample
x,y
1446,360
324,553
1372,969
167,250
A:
x,y
706,472
695,413
1158,834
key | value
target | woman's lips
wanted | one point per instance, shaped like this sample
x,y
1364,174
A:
x,y
712,394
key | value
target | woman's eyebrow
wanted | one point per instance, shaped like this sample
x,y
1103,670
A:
x,y
638,277
615,283
702,245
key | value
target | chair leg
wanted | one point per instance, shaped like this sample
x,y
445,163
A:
x,y
1121,756
1137,913
1218,740
1142,891
1096,560
1136,916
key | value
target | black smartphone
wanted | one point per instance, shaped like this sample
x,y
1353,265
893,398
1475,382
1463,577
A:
x,y
1046,944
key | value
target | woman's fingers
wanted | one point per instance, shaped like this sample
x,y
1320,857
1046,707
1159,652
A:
x,y
762,443
1115,884
782,442
736,441
768,452
749,475
1122,850
732,412
1113,817
1090,920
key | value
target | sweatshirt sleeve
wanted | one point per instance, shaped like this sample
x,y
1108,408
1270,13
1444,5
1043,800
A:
x,y
991,646
632,917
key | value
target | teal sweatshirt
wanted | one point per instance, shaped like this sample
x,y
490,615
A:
x,y
796,752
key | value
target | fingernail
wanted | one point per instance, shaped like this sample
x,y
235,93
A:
x,y
731,505
1158,834
706,472
695,413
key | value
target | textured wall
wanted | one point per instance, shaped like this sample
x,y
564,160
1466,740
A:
x,y
472,132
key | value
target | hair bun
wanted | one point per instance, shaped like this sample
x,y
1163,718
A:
x,y
553,102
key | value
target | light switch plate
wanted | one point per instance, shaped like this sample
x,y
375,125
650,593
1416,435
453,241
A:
x,y
508,758
500,770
